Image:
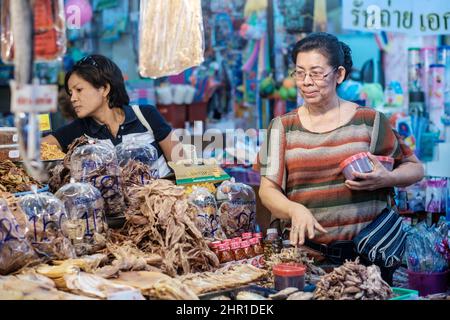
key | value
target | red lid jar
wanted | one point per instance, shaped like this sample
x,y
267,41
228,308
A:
x,y
289,275
359,162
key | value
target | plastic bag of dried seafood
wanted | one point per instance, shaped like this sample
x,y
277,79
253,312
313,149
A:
x,y
46,213
171,37
96,163
138,161
207,220
237,208
15,250
85,225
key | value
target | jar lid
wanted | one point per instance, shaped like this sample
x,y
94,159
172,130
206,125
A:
x,y
247,235
215,244
226,241
355,157
289,269
245,244
254,241
224,247
272,231
286,242
235,245
385,159
237,239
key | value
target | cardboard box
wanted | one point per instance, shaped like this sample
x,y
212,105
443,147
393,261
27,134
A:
x,y
8,135
186,174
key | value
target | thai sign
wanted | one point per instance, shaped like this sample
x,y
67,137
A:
x,y
415,17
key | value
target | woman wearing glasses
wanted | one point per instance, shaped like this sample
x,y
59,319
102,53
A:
x,y
99,98
301,179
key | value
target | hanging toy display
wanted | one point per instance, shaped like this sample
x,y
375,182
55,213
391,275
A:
x,y
78,13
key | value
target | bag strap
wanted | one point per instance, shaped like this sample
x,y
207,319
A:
x,y
140,116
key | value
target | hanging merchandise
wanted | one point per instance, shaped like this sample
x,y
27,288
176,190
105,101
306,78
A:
x,y
436,197
165,48
114,21
298,15
436,97
105,4
443,57
405,129
223,30
78,13
414,70
49,31
427,58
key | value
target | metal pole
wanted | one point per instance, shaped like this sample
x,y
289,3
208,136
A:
x,y
271,43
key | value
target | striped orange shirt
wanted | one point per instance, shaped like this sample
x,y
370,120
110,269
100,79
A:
x,y
305,165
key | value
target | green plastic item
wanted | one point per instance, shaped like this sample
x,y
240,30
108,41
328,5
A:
x,y
405,294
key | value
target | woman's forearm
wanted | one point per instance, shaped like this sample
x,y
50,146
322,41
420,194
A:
x,y
277,203
407,174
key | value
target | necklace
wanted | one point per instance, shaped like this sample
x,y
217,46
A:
x,y
339,113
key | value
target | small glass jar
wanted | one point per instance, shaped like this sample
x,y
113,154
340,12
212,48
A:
x,y
248,249
257,247
238,252
214,246
225,254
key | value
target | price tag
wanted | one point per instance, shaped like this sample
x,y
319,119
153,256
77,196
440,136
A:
x,y
34,98
44,122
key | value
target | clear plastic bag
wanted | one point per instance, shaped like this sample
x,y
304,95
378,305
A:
x,y
97,164
171,37
49,31
15,250
85,225
46,213
138,161
237,208
207,220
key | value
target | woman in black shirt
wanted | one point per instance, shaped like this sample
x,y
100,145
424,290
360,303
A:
x,y
99,98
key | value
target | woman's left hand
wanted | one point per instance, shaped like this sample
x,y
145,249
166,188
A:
x,y
379,178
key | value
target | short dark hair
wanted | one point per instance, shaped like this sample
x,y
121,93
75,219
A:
x,y
337,52
99,71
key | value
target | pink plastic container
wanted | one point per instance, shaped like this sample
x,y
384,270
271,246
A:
x,y
388,162
428,283
359,162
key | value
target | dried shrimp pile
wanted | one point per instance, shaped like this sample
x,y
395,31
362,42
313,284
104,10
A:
x,y
162,222
353,281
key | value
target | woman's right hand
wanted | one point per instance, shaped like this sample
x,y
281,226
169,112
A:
x,y
302,222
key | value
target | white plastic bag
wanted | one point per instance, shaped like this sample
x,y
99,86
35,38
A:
x,y
171,37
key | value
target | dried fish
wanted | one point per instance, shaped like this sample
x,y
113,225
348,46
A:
x,y
248,295
170,231
14,179
353,281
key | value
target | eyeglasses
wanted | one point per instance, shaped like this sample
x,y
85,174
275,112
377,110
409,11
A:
x,y
87,60
314,75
